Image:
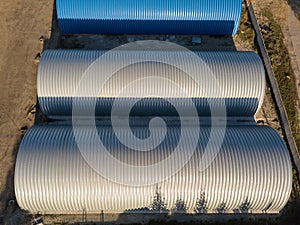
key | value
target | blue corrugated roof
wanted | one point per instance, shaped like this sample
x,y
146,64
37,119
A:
x,y
149,17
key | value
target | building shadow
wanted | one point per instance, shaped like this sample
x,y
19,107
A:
x,y
108,42
54,40
295,6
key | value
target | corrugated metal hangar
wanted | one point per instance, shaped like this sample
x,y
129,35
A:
x,y
52,175
149,17
239,76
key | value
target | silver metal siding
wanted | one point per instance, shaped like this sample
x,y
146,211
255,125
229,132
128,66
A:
x,y
51,175
240,75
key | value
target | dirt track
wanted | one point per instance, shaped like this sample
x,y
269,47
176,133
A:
x,y
22,23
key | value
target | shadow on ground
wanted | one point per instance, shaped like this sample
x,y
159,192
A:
x,y
295,6
289,216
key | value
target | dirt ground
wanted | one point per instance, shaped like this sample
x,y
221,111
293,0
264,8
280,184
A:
x,y
22,23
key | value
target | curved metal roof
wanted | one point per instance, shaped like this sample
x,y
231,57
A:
x,y
239,78
52,176
149,17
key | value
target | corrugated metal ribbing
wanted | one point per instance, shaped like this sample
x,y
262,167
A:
x,y
240,77
51,175
149,17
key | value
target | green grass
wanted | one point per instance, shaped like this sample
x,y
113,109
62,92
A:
x,y
283,71
281,64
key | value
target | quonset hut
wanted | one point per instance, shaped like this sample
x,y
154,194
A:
x,y
55,174
95,79
149,17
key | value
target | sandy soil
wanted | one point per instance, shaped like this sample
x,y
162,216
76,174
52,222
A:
x,y
22,23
